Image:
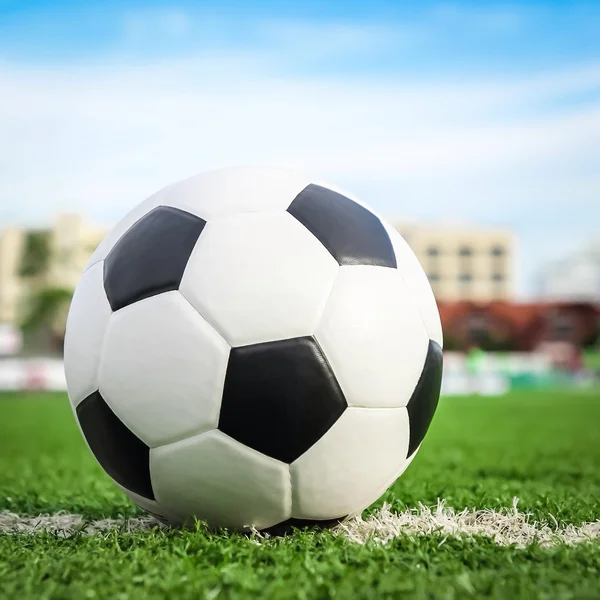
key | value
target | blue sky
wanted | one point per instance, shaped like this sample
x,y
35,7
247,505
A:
x,y
421,37
429,111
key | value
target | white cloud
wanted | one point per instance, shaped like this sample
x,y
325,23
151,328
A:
x,y
99,138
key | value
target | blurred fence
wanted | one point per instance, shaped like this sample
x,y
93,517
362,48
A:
x,y
475,373
18,374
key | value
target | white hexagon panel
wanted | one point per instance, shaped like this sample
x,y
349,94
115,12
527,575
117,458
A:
x,y
226,192
255,350
163,369
371,307
258,277
221,481
351,466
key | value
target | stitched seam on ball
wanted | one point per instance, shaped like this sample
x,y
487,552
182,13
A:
x,y
91,265
104,333
211,325
245,212
185,436
291,491
217,332
314,333
105,396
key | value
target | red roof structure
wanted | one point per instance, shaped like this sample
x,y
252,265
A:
x,y
503,325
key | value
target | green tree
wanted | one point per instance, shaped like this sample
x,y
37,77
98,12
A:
x,y
45,319
36,254
46,306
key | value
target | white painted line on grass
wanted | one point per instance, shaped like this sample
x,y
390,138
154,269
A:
x,y
505,527
65,524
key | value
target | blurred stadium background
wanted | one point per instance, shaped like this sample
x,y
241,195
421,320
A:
x,y
474,128
494,340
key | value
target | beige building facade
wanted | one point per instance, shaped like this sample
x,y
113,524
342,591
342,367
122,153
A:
x,y
31,259
11,249
464,262
72,242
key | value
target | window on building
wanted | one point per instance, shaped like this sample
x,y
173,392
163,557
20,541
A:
x,y
465,277
433,277
465,251
497,251
433,251
497,276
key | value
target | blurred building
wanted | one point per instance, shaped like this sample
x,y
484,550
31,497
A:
x,y
72,242
34,259
464,262
11,248
576,278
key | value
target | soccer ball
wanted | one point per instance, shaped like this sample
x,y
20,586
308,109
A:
x,y
250,348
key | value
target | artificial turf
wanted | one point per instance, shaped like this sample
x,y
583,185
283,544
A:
x,y
543,448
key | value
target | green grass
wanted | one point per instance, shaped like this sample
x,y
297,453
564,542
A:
x,y
543,448
198,565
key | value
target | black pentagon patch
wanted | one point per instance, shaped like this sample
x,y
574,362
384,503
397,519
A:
x,y
280,397
122,455
422,404
352,234
287,527
151,256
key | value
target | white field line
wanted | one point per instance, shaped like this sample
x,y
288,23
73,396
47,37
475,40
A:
x,y
65,524
507,526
